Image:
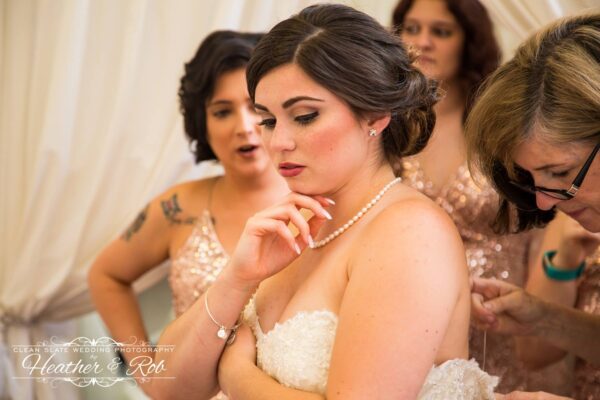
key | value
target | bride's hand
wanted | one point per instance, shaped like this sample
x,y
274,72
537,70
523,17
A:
x,y
267,245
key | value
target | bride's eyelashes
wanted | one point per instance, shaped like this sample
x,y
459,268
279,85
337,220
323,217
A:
x,y
304,119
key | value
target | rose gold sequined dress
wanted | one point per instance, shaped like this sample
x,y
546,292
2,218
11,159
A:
x,y
587,375
196,266
473,207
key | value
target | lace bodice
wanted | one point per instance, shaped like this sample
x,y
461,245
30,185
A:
x,y
297,353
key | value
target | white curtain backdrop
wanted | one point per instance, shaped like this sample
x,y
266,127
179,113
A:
x,y
516,19
90,131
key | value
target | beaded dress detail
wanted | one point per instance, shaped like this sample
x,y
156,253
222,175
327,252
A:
x,y
587,375
297,354
473,206
197,264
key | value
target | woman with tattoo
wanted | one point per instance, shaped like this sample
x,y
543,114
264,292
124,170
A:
x,y
195,224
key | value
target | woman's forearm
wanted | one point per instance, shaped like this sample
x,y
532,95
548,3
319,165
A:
x,y
118,306
571,330
556,291
538,282
533,351
251,383
197,348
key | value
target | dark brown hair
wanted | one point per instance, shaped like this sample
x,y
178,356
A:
x,y
354,57
481,53
550,88
220,52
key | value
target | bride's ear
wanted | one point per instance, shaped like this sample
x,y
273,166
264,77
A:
x,y
378,122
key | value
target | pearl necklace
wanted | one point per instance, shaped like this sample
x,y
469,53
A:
x,y
356,217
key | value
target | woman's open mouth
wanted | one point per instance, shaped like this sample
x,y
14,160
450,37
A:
x,y
248,150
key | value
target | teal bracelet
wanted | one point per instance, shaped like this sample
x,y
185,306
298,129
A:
x,y
557,274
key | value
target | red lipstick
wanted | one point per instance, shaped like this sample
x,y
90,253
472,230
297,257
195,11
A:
x,y
289,170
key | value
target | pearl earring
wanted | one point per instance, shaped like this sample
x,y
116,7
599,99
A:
x,y
372,132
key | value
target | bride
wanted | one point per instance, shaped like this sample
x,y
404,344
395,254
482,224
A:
x,y
371,299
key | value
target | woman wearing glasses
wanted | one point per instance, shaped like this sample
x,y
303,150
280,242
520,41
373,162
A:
x,y
535,132
457,47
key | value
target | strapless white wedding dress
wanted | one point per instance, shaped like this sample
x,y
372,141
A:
x,y
297,353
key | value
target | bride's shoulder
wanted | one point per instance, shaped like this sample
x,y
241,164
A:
x,y
413,211
413,240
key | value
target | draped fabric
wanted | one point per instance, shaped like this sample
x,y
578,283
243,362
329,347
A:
x,y
90,131
517,19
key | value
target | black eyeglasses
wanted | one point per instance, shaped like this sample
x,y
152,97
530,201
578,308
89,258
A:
x,y
561,194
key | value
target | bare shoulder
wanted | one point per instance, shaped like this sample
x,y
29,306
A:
x,y
412,238
407,278
190,190
414,216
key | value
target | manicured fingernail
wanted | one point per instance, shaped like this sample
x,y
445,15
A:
x,y
488,306
311,242
327,215
329,201
297,248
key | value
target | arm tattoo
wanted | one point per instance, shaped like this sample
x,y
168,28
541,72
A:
x,y
136,225
171,210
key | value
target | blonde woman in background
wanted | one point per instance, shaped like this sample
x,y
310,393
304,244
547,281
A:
x,y
535,133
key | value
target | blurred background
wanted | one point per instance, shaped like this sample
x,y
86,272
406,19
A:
x,y
90,131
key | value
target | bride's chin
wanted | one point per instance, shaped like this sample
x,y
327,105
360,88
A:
x,y
305,191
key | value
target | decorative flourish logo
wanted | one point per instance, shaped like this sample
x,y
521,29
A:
x,y
84,361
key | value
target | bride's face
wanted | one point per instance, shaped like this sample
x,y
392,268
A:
x,y
316,141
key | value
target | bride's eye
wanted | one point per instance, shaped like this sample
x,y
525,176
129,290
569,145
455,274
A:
x,y
306,118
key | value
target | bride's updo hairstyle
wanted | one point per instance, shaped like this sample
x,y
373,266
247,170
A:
x,y
357,59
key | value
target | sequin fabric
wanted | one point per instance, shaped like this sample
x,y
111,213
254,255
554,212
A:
x,y
197,264
473,206
587,375
297,353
